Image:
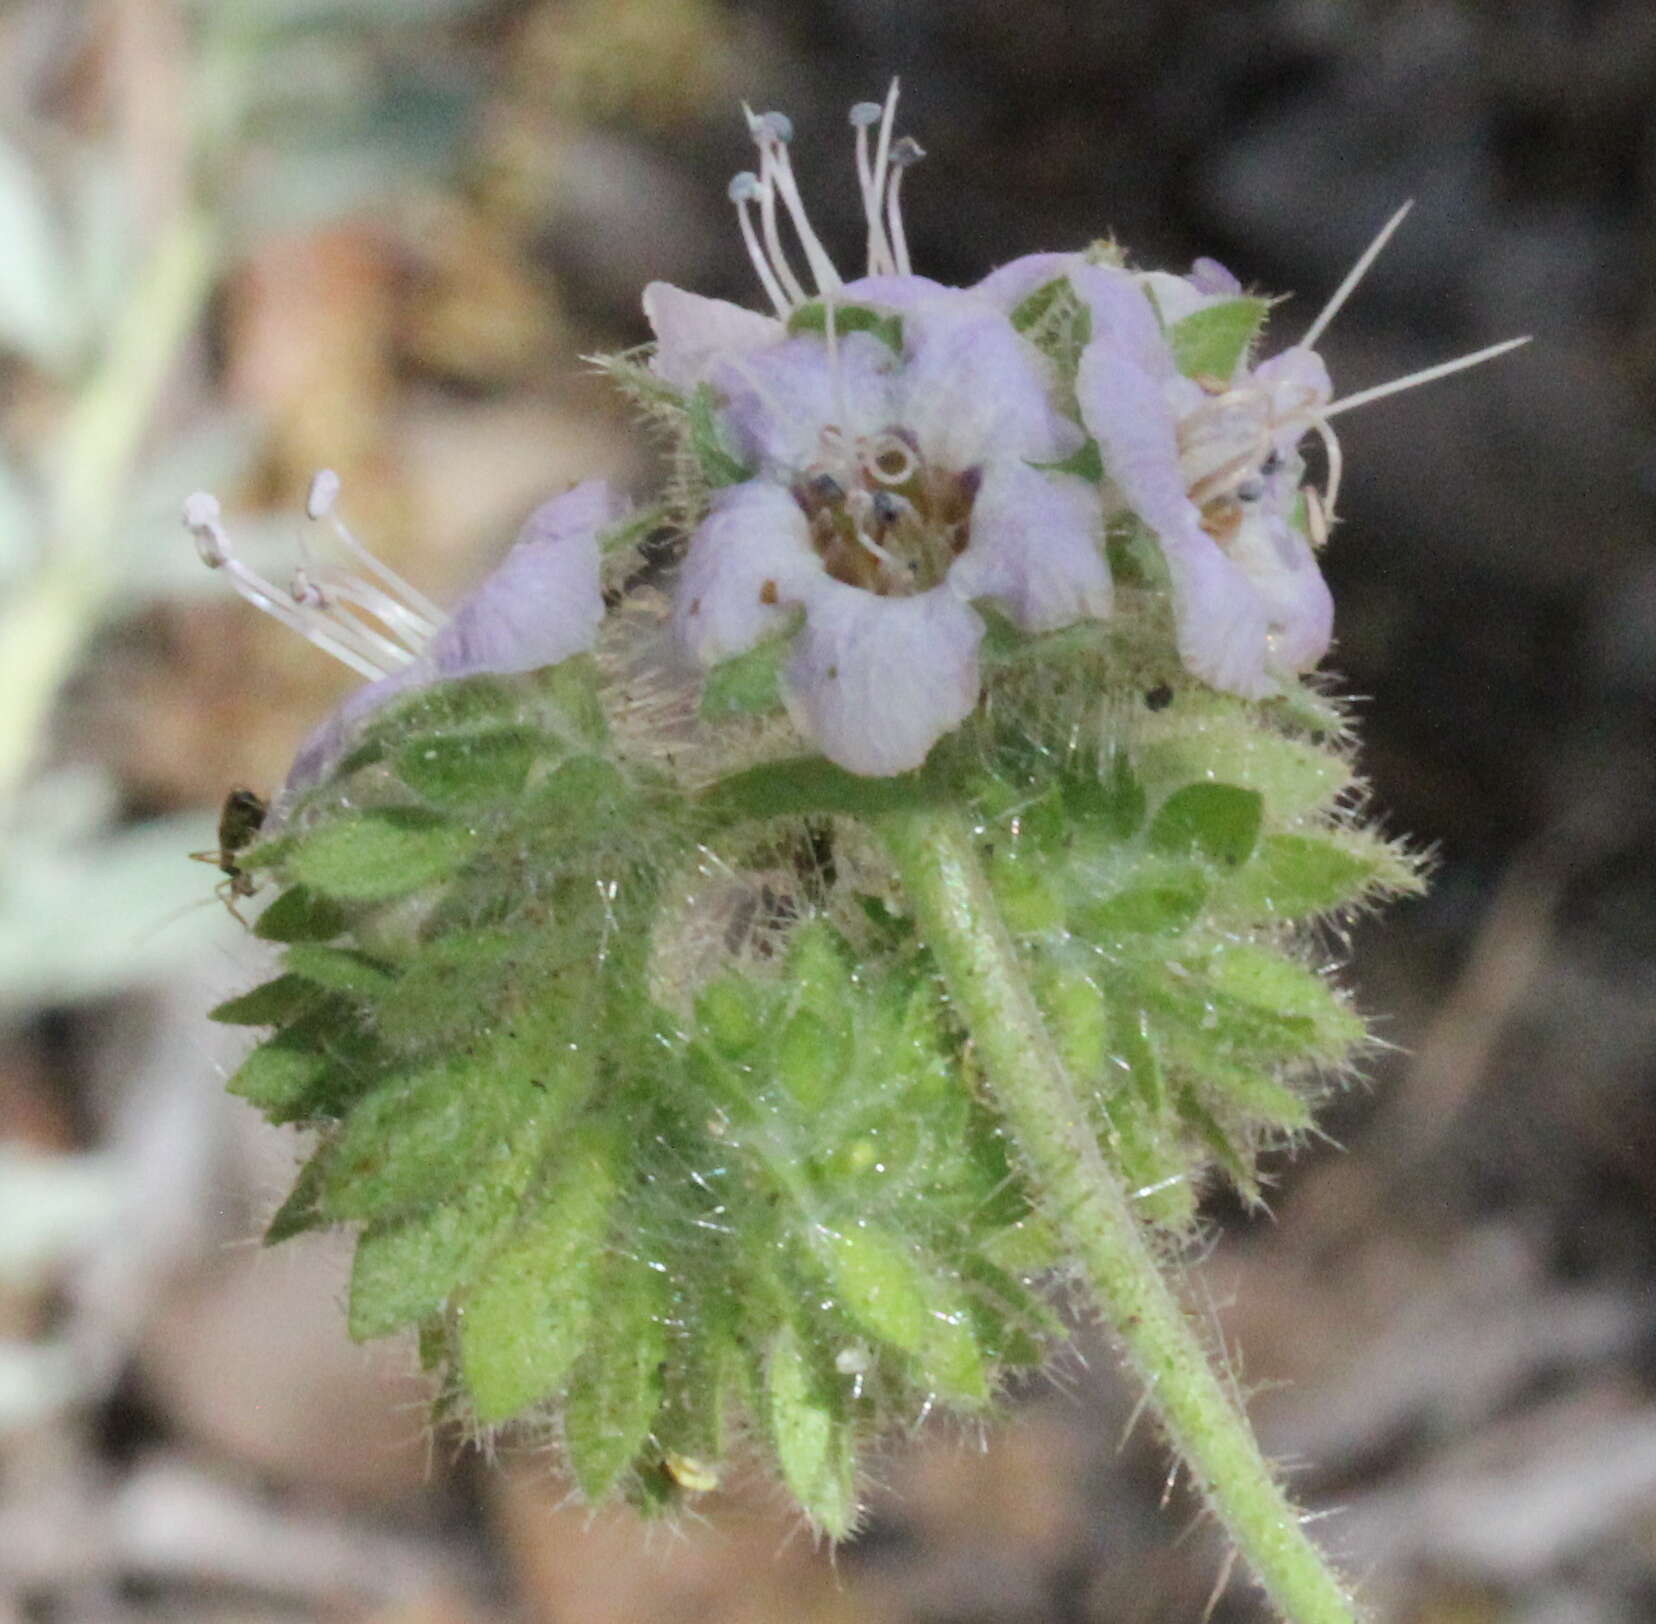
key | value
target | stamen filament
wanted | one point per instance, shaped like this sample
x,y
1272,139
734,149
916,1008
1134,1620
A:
x,y
262,595
743,189
334,589
906,152
410,629
319,505
1426,375
763,130
1336,464
816,256
415,604
881,260
1352,277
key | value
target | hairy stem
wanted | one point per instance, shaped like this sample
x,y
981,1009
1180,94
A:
x,y
959,918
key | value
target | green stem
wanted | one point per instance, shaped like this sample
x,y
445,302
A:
x,y
959,918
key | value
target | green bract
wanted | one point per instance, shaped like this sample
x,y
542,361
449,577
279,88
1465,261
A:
x,y
645,1097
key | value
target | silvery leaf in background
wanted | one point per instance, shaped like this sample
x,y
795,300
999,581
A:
x,y
35,318
211,454
85,914
20,521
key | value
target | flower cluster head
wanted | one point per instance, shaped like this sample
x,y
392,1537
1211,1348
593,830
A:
x,y
668,1072
909,452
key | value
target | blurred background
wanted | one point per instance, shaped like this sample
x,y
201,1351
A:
x,y
243,238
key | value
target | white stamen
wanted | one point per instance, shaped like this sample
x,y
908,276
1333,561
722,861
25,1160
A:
x,y
880,258
409,634
863,115
201,519
313,606
324,492
1426,375
415,606
870,545
743,189
1336,463
822,267
1352,277
763,127
835,374
905,153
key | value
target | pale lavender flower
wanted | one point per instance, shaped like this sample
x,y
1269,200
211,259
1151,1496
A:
x,y
541,604
1212,465
895,476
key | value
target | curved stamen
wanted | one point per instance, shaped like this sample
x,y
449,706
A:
x,y
324,601
762,128
881,261
816,256
333,587
201,519
863,114
1336,465
904,154
742,191
414,606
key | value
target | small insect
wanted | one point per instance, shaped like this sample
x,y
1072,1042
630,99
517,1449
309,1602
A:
x,y
240,819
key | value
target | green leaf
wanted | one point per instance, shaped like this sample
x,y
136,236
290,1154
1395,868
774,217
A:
x,y
452,983
527,1320
806,784
271,1004
811,1434
616,1386
1208,736
1164,901
1296,875
460,705
748,684
339,969
467,769
1034,307
882,1287
285,1077
1074,1006
419,1137
299,1213
719,464
885,325
405,1270
1086,463
1217,821
1055,320
1212,342
1109,802
1287,991
811,1059
376,855
299,915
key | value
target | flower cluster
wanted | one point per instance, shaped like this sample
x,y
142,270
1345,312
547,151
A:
x,y
913,449
904,454
669,1072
